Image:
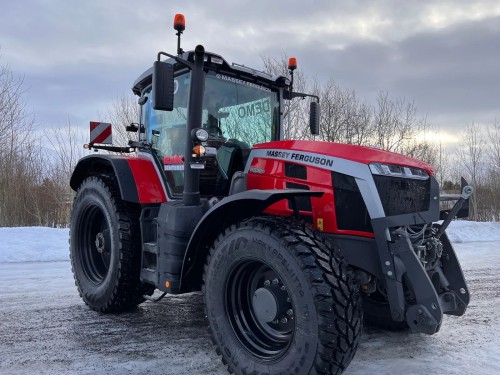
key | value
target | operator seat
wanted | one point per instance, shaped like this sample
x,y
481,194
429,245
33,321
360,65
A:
x,y
230,161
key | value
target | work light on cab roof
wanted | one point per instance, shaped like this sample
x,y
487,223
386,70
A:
x,y
179,26
292,65
179,23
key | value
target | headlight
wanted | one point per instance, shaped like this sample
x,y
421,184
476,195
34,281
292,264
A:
x,y
200,134
199,150
398,171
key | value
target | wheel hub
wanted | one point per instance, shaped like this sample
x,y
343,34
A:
x,y
100,242
265,305
271,303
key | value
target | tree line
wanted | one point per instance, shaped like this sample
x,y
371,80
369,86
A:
x,y
28,187
36,164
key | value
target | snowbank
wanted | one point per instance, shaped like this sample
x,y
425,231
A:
x,y
473,231
37,244
33,244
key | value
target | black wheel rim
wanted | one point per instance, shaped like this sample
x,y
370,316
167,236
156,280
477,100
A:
x,y
94,243
265,329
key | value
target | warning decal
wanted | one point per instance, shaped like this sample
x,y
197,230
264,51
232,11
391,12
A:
x,y
100,132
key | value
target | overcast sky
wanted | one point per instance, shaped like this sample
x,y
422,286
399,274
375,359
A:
x,y
78,56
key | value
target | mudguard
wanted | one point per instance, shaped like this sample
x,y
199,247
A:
x,y
138,178
232,209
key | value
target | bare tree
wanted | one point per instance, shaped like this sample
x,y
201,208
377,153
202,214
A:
x,y
493,170
67,142
441,164
123,111
397,127
494,146
295,110
344,118
67,148
470,156
20,164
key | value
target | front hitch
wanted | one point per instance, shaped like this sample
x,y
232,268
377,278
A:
x,y
430,304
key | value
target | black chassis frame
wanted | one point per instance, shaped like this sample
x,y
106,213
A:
x,y
397,259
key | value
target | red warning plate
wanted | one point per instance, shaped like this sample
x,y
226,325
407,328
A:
x,y
100,132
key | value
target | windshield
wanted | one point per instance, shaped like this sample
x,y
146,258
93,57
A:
x,y
236,113
233,109
240,110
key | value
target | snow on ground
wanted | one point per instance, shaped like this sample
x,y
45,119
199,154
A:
x,y
38,244
472,231
465,345
33,244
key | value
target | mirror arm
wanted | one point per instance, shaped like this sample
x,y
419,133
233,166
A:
x,y
291,94
177,59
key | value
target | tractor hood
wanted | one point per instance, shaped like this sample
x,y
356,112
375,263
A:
x,y
360,154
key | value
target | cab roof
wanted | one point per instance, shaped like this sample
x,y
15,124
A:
x,y
217,63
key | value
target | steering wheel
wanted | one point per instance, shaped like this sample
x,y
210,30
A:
x,y
215,131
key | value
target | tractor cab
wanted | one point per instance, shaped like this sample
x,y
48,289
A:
x,y
202,116
240,108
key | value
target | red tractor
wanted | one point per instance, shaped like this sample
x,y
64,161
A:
x,y
291,242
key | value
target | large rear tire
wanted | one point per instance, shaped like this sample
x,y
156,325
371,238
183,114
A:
x,y
279,300
105,248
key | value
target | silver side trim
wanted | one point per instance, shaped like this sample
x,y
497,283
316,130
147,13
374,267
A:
x,y
361,172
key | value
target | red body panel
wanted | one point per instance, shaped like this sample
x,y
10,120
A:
x,y
360,154
149,187
269,173
317,179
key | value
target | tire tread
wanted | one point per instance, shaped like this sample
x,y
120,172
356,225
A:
x,y
335,295
128,290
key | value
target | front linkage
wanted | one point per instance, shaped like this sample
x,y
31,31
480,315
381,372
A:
x,y
419,290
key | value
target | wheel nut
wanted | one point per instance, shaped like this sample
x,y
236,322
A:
x,y
283,287
289,312
276,281
267,283
284,320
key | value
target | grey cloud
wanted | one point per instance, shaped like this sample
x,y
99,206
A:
x,y
451,73
78,56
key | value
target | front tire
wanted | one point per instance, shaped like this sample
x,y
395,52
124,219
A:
x,y
377,313
105,248
279,300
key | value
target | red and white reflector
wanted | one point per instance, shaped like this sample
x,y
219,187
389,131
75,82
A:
x,y
100,132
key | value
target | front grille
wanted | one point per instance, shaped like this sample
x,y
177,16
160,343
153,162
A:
x,y
403,195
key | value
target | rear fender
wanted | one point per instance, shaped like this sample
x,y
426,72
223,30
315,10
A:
x,y
138,178
230,210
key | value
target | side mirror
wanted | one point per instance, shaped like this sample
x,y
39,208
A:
x,y
314,113
163,86
465,209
